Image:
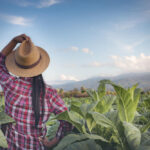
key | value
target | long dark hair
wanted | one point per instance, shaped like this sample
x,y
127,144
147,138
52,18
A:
x,y
38,91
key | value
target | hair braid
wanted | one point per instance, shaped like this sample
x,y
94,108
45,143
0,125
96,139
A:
x,y
38,91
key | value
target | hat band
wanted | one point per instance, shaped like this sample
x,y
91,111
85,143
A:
x,y
29,66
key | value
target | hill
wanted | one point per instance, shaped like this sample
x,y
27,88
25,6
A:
x,y
125,80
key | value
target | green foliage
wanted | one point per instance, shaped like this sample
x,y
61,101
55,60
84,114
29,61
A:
x,y
52,129
105,104
73,118
3,142
127,100
4,119
145,127
100,119
80,142
108,117
91,123
133,135
145,141
104,122
88,145
2,103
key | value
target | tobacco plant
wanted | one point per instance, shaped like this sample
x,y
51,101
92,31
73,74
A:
x,y
106,120
4,119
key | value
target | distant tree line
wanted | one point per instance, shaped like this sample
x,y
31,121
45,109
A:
x,y
73,93
82,92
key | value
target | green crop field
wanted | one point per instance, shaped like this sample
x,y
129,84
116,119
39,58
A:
x,y
103,121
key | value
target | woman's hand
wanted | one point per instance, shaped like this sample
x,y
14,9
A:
x,y
48,143
12,44
21,38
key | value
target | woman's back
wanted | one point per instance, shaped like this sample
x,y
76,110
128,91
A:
x,y
18,104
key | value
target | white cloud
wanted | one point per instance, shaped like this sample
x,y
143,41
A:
x,y
74,48
64,77
38,3
84,50
131,47
126,25
96,64
47,3
93,64
24,3
87,51
123,45
17,20
132,63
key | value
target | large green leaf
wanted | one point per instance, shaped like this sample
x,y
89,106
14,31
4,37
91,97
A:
x,y
127,100
97,95
95,137
100,119
91,123
145,127
4,118
3,142
105,104
127,103
133,135
84,145
145,141
94,95
144,147
76,103
145,137
69,139
75,138
73,119
52,130
85,108
113,116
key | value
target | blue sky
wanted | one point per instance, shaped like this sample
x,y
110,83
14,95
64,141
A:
x,y
84,38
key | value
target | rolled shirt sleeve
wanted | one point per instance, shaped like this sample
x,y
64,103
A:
x,y
5,77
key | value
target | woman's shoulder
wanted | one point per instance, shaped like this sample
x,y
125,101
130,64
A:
x,y
50,89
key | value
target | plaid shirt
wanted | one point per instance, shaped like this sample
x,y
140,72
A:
x,y
18,104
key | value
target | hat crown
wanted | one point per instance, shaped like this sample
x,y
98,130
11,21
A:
x,y
27,54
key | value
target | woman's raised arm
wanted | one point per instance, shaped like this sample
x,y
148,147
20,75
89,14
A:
x,y
12,44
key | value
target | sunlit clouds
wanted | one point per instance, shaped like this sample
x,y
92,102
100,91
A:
x,y
16,20
68,77
132,63
38,3
74,48
87,51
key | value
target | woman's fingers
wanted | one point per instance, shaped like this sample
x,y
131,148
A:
x,y
25,37
21,38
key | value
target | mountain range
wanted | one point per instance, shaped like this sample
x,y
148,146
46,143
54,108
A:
x,y
125,80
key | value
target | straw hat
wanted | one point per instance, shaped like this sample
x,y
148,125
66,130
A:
x,y
27,60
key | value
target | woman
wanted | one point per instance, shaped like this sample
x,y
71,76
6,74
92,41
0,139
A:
x,y
28,100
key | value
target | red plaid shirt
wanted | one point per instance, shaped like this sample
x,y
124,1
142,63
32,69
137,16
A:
x,y
18,104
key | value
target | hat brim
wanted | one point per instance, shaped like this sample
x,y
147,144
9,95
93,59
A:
x,y
34,71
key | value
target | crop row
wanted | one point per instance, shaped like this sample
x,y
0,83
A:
x,y
102,121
